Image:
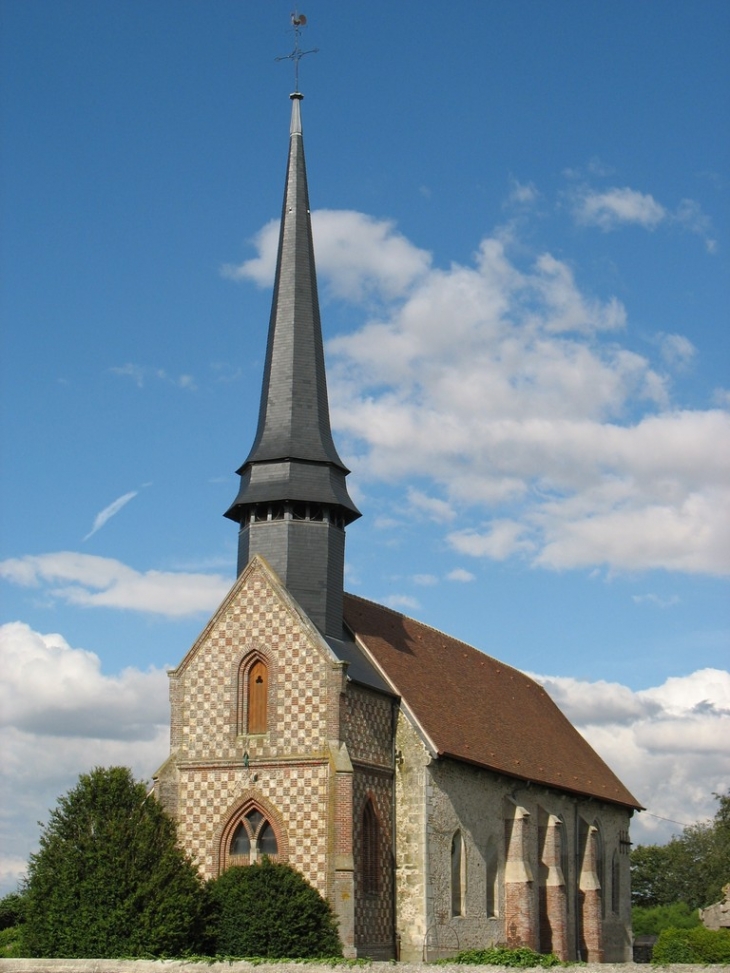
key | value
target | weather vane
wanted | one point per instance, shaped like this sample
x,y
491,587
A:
x,y
298,22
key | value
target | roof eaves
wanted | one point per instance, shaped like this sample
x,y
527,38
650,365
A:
x,y
558,786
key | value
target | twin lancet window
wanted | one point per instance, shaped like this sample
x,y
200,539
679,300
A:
x,y
253,837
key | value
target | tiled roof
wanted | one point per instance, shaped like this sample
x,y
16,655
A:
x,y
476,709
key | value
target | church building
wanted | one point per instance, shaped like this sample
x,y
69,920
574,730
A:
x,y
437,797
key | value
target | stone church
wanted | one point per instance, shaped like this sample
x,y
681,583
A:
x,y
436,796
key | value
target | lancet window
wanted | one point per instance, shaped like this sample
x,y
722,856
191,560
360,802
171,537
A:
x,y
458,874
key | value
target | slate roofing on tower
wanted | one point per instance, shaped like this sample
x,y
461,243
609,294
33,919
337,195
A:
x,y
293,505
293,456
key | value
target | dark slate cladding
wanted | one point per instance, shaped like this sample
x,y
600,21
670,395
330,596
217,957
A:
x,y
293,474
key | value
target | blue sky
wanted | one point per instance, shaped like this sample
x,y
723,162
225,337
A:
x,y
521,225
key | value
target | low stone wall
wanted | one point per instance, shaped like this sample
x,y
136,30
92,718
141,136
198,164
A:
x,y
177,966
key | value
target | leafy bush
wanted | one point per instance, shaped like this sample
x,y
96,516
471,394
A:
x,y
650,922
698,945
11,942
109,879
269,909
12,910
522,957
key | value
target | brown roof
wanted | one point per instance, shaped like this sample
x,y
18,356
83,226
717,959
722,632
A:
x,y
479,710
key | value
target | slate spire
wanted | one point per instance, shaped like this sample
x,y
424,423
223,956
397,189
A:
x,y
293,503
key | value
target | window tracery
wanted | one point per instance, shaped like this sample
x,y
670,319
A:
x,y
252,837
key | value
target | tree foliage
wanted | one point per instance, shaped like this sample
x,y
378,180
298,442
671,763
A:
x,y
109,879
692,868
12,910
651,921
270,910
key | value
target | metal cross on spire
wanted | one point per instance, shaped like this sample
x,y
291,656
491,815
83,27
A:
x,y
298,22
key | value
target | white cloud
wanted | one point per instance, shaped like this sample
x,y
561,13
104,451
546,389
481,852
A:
x,y
613,207
461,575
99,582
402,601
358,256
434,508
108,512
53,690
522,194
502,539
669,744
60,717
677,351
503,384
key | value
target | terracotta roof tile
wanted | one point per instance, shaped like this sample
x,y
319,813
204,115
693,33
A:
x,y
479,710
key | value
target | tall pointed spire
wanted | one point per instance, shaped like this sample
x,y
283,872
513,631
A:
x,y
293,503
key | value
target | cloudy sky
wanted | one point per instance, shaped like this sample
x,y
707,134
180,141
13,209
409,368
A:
x,y
521,228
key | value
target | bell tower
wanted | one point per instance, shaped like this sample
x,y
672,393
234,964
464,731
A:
x,y
293,505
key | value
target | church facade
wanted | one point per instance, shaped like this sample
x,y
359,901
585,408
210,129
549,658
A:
x,y
436,796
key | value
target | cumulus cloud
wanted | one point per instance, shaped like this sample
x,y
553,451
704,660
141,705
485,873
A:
x,y
359,256
609,209
613,207
668,743
108,512
52,689
99,582
503,388
432,507
60,716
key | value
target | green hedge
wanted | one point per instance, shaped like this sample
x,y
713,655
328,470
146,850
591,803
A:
x,y
698,945
270,910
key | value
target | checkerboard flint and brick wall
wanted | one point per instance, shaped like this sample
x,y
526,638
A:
x,y
288,766
315,808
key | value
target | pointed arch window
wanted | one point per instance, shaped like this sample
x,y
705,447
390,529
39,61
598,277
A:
x,y
458,874
253,836
370,850
257,698
492,879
